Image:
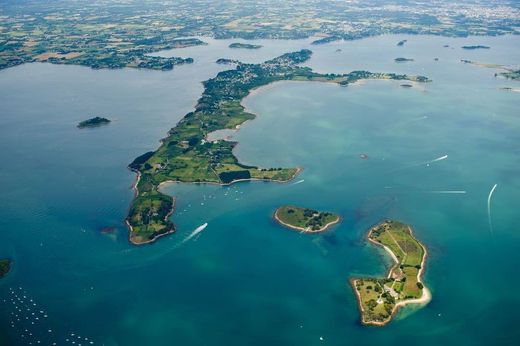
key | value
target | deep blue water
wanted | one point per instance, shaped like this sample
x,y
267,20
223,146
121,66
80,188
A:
x,y
245,280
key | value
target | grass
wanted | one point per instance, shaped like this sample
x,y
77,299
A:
x,y
378,296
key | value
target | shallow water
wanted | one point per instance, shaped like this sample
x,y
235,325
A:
x,y
243,279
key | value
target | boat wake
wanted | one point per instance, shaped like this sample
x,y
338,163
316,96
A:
x,y
298,182
427,163
195,232
489,209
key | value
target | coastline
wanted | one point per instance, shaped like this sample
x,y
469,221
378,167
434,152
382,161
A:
x,y
173,230
171,182
306,230
424,299
170,213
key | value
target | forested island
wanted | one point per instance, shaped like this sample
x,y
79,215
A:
x,y
245,45
5,267
305,220
185,155
225,61
380,298
93,122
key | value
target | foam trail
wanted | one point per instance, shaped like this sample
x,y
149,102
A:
x,y
444,157
449,191
489,208
195,232
298,182
439,159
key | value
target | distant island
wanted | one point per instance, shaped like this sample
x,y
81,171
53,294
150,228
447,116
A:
x,y
186,155
5,267
245,45
304,219
380,298
93,122
402,59
401,43
406,85
511,74
225,61
475,47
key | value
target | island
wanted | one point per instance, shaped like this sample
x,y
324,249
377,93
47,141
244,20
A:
x,y
226,61
93,122
406,85
401,43
305,220
380,298
187,155
5,267
245,45
511,74
402,59
475,47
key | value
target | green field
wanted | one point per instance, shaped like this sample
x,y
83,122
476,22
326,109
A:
x,y
380,297
304,219
5,266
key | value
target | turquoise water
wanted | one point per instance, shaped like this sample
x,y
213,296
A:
x,y
244,280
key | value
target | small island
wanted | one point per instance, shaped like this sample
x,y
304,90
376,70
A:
x,y
225,61
304,219
93,122
401,43
5,267
245,45
402,59
475,47
380,298
406,85
511,74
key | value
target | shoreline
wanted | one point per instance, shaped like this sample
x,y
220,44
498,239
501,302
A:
x,y
171,182
306,230
173,230
424,299
170,213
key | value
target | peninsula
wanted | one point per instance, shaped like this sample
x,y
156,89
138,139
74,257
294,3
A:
x,y
93,122
304,219
245,45
186,155
380,298
5,267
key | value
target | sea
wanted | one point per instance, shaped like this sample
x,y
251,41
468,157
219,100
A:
x,y
442,156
